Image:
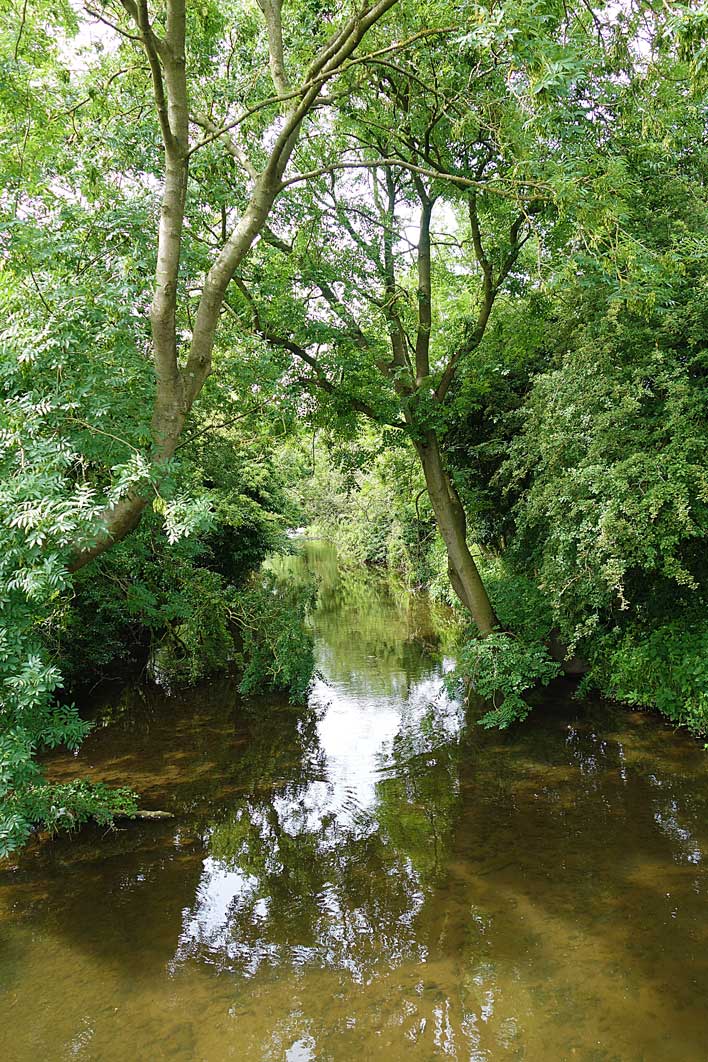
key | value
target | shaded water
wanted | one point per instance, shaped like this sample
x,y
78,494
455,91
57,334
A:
x,y
369,878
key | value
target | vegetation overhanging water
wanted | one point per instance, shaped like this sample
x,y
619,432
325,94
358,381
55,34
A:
x,y
426,278
370,876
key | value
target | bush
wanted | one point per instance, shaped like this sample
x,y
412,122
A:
x,y
665,668
198,641
501,669
278,646
61,807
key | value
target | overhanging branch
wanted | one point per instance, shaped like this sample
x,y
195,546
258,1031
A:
x,y
316,82
401,164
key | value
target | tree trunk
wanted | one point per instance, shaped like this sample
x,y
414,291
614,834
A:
x,y
177,389
452,524
121,518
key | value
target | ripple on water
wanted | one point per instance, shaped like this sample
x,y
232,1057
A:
x,y
369,877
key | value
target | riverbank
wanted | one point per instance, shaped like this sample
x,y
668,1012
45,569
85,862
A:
x,y
368,876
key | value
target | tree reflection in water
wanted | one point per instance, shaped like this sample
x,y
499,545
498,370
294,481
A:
x,y
370,877
333,869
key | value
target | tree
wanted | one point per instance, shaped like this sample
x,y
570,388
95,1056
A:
x,y
453,129
177,386
97,382
358,216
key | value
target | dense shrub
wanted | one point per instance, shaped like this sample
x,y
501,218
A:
x,y
664,668
501,669
278,645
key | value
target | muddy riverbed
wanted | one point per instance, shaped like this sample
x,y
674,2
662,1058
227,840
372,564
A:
x,y
369,877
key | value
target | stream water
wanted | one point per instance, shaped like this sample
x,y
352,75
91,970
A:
x,y
369,877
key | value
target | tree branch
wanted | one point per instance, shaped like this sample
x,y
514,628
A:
x,y
425,309
317,82
382,163
490,289
285,343
231,145
224,423
139,12
397,333
18,40
272,13
176,390
112,25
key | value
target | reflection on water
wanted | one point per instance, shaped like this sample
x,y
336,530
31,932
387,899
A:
x,y
369,877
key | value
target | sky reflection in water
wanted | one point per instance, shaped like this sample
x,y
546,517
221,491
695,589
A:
x,y
369,877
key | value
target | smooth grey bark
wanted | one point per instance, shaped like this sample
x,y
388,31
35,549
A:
x,y
176,388
449,511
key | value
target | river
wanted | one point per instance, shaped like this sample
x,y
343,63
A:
x,y
370,877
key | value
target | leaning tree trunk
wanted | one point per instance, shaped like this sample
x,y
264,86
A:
x,y
452,524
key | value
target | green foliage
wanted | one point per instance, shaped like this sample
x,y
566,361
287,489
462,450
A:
x,y
60,807
172,595
39,516
277,651
73,417
501,668
578,436
618,491
665,667
372,505
485,409
196,629
575,431
606,473
519,604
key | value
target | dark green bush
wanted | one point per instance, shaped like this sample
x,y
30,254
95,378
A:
x,y
664,668
278,646
501,669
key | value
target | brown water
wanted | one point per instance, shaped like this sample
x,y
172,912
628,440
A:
x,y
368,878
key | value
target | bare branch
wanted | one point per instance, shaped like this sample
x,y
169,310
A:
x,y
149,42
401,164
272,10
23,18
479,251
231,145
490,289
397,333
425,309
272,238
100,17
318,81
286,343
224,423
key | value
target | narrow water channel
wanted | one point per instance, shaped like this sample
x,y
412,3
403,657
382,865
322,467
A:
x,y
369,878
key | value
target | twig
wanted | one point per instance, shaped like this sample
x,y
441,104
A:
x,y
393,163
21,29
224,424
321,78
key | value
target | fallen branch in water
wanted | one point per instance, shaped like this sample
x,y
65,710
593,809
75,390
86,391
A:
x,y
147,815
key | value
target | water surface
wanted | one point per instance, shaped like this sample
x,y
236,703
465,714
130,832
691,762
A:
x,y
369,877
